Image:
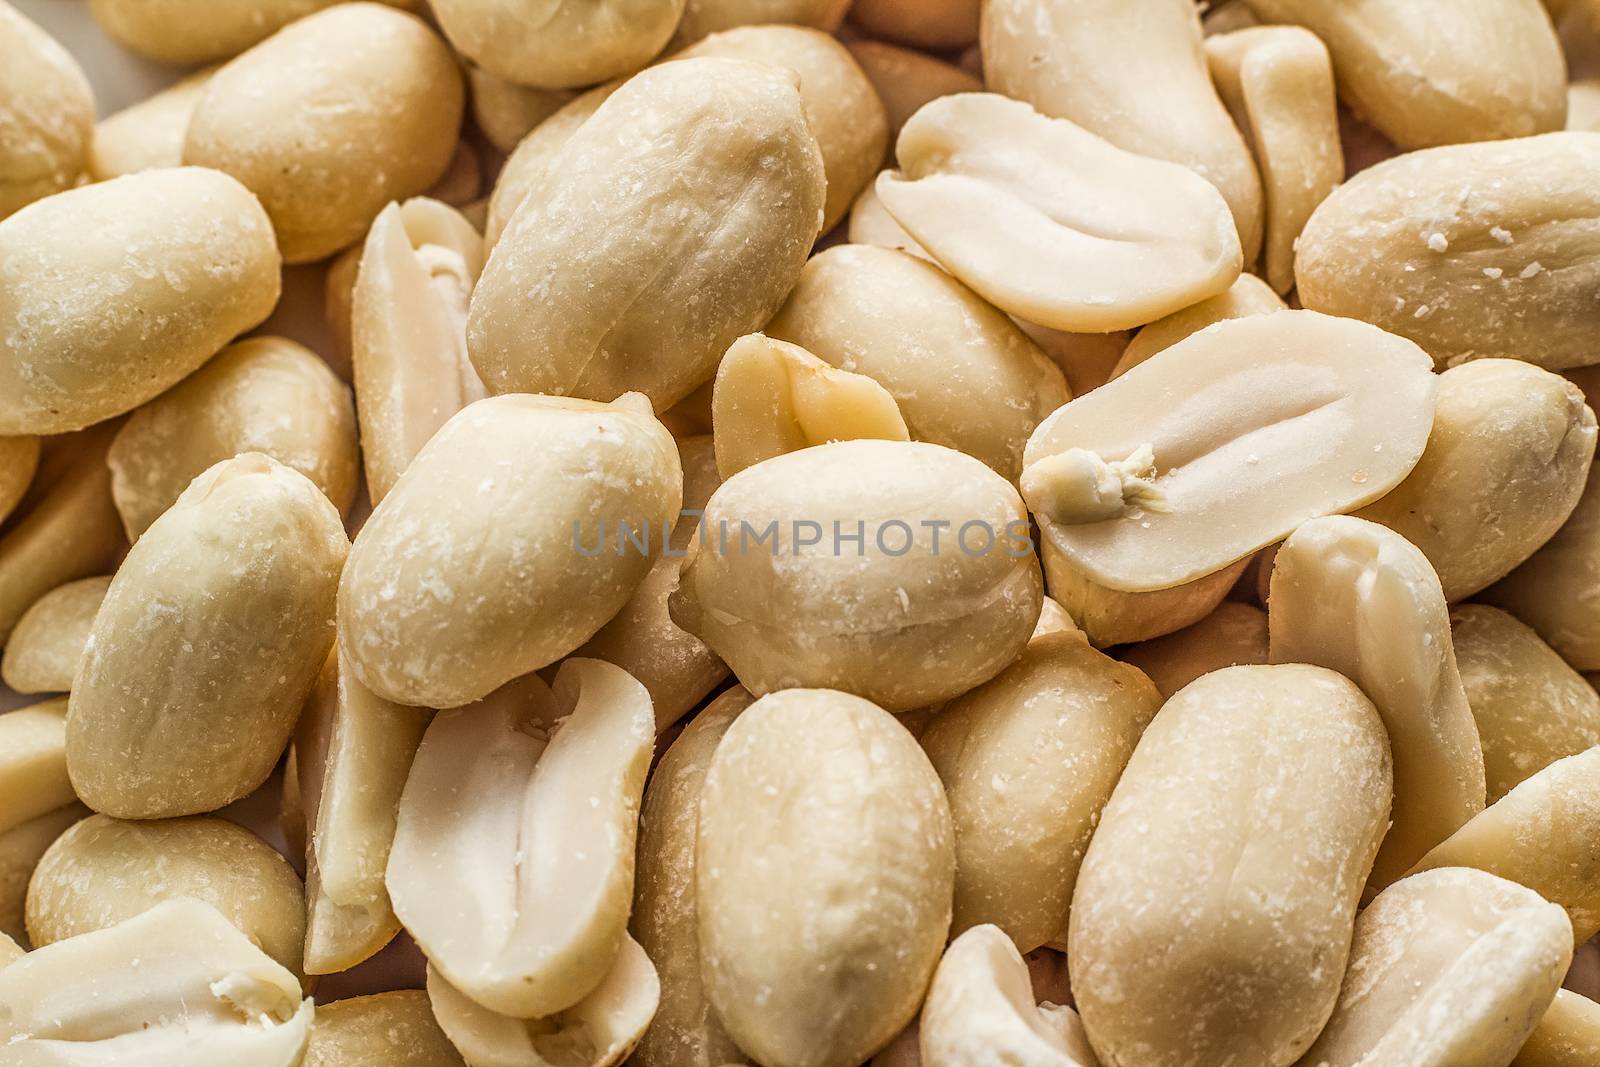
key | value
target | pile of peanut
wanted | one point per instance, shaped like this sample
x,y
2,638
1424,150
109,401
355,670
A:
x,y
800,533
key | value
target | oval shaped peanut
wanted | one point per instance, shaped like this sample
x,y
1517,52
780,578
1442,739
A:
x,y
42,654
962,374
823,879
394,1029
1113,617
820,568
113,292
480,566
548,44
330,119
1247,296
267,395
704,17
1449,968
1470,250
532,155
1233,635
185,32
148,134
1028,759
46,114
1213,912
104,870
1568,1034
1508,439
1531,708
593,291
198,664
505,112
907,79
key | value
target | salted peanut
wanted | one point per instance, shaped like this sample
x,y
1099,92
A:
x,y
1028,759
1049,222
1531,708
481,565
675,666
352,754
962,374
408,341
533,154
702,18
1247,296
46,114
176,984
772,397
906,79
394,1029
538,794
330,119
897,571
593,291
1507,439
19,459
871,224
824,869
598,1031
103,871
1223,443
505,112
1567,1035
1212,915
10,951
1583,105
197,665
69,529
936,26
21,846
555,45
1470,250
981,1010
1436,72
1538,835
1233,635
149,134
1277,82
1450,968
1134,74
43,651
1357,598
118,290
186,32
685,1031
841,106
265,394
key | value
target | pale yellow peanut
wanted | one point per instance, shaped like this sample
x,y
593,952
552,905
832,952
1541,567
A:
x,y
592,291
330,119
544,812
186,32
1508,439
505,111
1247,296
1213,911
20,849
1223,443
960,372
675,666
1233,635
149,134
1028,760
46,114
1133,73
772,397
267,395
408,345
19,460
704,17
103,871
1352,596
1470,250
1278,83
547,44
118,290
906,79
777,590
197,665
1583,105
480,566
532,156
685,1031
10,951
1050,222
43,651
36,800
1433,72
871,224
841,106
1449,968
823,871
177,984
394,1029
1567,1035
1531,708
